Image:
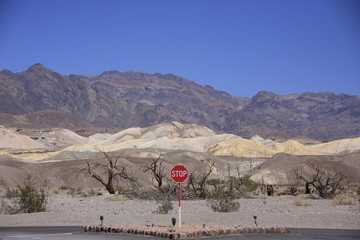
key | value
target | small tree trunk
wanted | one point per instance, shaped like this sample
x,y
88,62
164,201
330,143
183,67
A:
x,y
307,188
110,189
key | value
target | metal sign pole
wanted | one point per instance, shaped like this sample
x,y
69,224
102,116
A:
x,y
179,198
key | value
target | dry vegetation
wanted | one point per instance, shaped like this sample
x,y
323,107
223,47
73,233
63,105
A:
x,y
344,199
301,203
30,197
221,194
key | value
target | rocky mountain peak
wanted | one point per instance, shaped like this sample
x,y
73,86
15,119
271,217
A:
x,y
40,71
38,67
109,73
263,96
6,72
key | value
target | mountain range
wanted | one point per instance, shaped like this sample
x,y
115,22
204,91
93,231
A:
x,y
42,98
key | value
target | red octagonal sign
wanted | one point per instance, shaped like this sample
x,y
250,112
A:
x,y
179,173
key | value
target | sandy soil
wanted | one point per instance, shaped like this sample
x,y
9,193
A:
x,y
271,212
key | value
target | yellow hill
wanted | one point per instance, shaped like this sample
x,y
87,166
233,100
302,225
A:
x,y
294,148
241,147
342,146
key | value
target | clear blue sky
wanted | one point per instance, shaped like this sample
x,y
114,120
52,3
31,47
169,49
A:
x,y
237,46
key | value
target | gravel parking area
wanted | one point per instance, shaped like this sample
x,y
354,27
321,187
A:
x,y
65,210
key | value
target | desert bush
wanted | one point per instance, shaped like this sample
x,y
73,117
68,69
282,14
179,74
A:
x,y
223,201
241,187
11,193
165,205
167,190
301,203
249,184
344,199
28,198
244,186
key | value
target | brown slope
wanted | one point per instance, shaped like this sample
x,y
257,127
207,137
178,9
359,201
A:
x,y
13,172
44,119
67,173
280,168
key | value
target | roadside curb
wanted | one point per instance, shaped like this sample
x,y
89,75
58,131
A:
x,y
166,231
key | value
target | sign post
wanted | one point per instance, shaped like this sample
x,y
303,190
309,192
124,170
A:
x,y
179,174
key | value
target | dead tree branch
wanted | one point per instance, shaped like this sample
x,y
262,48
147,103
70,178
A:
x,y
326,183
157,169
197,183
108,173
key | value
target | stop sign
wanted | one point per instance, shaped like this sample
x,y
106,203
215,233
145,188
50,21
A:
x,y
179,173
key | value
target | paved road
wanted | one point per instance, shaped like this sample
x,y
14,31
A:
x,y
74,233
57,233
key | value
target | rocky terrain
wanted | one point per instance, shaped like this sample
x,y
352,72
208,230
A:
x,y
40,97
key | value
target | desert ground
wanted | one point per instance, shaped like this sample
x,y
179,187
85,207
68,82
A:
x,y
67,210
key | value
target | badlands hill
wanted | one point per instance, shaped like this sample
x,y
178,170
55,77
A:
x,y
58,154
122,100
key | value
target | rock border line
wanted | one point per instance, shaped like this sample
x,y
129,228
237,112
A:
x,y
198,232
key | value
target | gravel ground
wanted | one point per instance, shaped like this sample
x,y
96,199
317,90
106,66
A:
x,y
68,211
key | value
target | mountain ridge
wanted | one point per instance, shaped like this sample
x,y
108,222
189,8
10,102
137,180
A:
x,y
138,99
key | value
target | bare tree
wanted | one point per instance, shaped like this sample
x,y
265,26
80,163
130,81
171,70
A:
x,y
157,169
324,182
108,173
309,182
197,183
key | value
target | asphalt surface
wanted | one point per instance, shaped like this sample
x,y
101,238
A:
x,y
74,233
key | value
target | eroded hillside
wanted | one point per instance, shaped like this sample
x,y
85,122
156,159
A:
x,y
51,152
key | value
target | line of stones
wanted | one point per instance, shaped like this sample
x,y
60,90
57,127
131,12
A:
x,y
195,234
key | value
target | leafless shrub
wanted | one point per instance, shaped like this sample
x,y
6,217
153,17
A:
x,y
157,169
197,183
325,183
109,173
